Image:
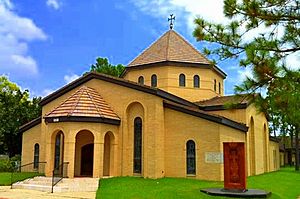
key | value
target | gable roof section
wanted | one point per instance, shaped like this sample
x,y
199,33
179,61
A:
x,y
30,124
220,103
172,47
86,104
118,81
202,114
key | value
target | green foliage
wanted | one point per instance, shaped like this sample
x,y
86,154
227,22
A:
x,y
283,184
6,165
16,109
103,66
5,177
265,54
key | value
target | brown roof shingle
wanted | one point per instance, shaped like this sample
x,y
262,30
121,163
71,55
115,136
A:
x,y
170,47
225,102
222,100
85,102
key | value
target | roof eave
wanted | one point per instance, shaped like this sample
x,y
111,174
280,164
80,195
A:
x,y
82,119
175,63
118,81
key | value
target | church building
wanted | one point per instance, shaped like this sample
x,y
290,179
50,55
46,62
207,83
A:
x,y
165,116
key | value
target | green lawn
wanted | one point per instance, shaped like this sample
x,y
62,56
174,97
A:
x,y
5,177
283,184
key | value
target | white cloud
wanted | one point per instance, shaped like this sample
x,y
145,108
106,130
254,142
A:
x,y
55,4
46,92
15,34
293,61
70,78
185,11
244,73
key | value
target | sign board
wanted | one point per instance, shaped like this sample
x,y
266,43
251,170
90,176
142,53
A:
x,y
214,157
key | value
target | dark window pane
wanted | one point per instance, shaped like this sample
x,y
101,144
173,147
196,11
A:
x,y
190,157
196,81
154,81
137,156
181,80
141,80
219,88
215,85
36,156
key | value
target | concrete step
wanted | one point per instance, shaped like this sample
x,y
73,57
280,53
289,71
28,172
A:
x,y
65,185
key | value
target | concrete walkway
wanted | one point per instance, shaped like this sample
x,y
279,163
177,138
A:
x,y
7,193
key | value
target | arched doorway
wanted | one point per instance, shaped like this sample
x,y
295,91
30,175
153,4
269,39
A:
x,y
84,154
108,154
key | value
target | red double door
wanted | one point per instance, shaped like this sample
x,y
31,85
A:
x,y
234,166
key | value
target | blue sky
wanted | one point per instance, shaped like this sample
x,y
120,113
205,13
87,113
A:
x,y
44,44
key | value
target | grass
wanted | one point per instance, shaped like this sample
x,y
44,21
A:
x,y
284,184
5,177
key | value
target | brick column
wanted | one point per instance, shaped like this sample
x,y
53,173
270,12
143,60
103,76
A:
x,y
70,156
98,159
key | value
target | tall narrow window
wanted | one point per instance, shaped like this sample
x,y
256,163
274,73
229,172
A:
x,y
141,80
215,85
58,153
196,81
36,156
181,80
137,156
190,157
154,80
219,88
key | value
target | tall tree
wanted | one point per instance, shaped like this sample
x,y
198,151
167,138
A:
x,y
103,66
266,53
16,109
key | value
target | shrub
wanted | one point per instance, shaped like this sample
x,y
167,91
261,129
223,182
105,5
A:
x,y
5,165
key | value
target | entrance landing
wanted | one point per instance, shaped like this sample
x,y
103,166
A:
x,y
249,193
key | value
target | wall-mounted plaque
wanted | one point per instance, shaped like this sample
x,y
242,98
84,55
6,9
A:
x,y
214,157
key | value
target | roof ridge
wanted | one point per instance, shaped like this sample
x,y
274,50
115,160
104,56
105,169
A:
x,y
92,99
168,43
194,48
78,98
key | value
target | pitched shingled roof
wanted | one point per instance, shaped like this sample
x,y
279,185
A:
x,y
220,102
170,47
84,103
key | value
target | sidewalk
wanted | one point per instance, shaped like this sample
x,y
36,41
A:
x,y
7,193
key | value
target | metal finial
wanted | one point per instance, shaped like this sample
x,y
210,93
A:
x,y
172,17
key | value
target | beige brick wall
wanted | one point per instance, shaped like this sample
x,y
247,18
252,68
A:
x,y
274,160
29,139
208,137
168,80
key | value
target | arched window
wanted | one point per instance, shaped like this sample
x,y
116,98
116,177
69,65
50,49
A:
x,y
141,80
36,156
59,148
196,81
137,154
181,80
215,85
219,88
154,80
190,157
